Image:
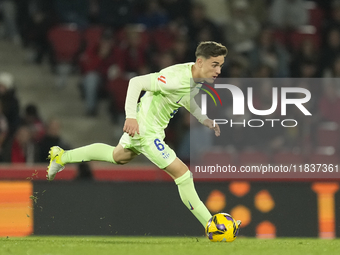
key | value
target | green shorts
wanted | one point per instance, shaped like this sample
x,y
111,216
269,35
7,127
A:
x,y
153,147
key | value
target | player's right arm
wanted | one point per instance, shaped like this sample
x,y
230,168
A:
x,y
136,85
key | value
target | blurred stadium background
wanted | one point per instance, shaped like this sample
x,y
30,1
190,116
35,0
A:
x,y
64,70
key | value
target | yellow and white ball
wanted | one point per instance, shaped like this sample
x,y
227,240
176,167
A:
x,y
222,227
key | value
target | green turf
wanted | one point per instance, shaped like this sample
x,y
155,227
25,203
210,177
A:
x,y
36,245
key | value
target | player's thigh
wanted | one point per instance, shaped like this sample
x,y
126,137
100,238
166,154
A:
x,y
122,155
176,169
158,152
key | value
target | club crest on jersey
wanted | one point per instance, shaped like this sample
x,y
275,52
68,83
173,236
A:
x,y
165,155
162,79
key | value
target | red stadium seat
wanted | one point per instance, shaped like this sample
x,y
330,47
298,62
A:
x,y
286,158
254,157
92,35
297,38
137,33
66,41
163,39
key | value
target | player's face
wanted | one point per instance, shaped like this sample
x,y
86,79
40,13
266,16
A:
x,y
211,68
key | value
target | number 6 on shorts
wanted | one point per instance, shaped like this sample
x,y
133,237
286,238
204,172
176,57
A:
x,y
158,144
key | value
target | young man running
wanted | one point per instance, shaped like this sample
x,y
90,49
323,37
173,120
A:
x,y
166,91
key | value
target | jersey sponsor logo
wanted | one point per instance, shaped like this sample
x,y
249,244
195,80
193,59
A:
x,y
162,79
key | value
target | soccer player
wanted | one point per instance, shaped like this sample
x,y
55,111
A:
x,y
166,91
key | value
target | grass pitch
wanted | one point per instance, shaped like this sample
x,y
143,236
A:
x,y
38,245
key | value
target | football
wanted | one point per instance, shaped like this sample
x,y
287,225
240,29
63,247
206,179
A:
x,y
222,227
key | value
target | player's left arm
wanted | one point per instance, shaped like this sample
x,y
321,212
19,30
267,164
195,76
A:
x,y
210,124
195,110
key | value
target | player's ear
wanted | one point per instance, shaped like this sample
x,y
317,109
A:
x,y
199,62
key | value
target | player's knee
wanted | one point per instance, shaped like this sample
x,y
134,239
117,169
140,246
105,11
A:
x,y
121,162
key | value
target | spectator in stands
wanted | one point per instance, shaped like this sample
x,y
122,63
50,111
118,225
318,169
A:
x,y
135,48
52,137
35,20
94,64
181,51
199,21
23,19
288,14
115,13
93,11
260,10
163,38
329,104
334,71
262,71
75,11
34,122
308,69
154,16
306,52
166,59
177,9
9,100
3,130
268,52
205,34
242,28
331,50
117,87
21,148
236,68
216,11
8,10
332,20
326,6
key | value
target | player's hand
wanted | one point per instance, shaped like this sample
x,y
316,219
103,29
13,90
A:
x,y
131,127
210,124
